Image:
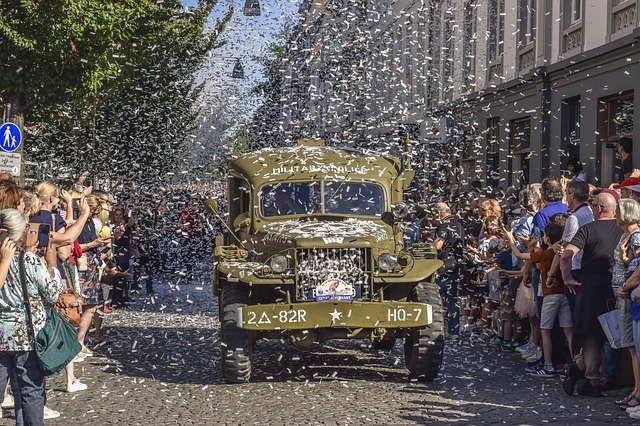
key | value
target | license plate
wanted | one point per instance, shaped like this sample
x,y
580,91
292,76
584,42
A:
x,y
334,314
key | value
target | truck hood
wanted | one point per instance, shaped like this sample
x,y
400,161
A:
x,y
346,231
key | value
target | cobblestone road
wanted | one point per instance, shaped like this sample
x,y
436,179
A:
x,y
160,366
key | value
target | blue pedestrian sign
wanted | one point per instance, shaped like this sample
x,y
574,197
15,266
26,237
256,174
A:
x,y
10,137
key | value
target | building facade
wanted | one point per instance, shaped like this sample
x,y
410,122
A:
x,y
501,91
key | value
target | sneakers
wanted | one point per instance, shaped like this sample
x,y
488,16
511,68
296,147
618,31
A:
x,y
50,414
635,415
79,358
86,351
635,409
506,345
534,367
496,342
8,402
535,355
543,371
532,349
76,386
107,310
524,348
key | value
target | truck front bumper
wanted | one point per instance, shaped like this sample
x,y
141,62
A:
x,y
335,314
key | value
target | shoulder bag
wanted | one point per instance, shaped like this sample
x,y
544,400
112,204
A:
x,y
69,302
57,343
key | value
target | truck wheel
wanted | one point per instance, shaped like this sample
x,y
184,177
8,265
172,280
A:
x,y
384,344
236,343
424,347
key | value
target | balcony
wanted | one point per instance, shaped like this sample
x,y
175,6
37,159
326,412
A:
x,y
572,40
624,18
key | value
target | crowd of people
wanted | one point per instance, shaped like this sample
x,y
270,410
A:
x,y
74,239
535,271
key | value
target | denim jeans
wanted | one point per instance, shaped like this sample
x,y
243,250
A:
x,y
28,392
448,285
611,361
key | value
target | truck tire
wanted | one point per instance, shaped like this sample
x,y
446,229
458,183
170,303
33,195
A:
x,y
384,344
424,346
236,343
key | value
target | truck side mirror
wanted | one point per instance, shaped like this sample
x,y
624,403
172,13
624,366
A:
x,y
388,218
211,205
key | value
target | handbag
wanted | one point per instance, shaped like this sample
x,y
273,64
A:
x,y
57,343
525,303
69,302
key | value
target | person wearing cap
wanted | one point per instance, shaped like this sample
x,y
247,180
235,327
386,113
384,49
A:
x,y
597,240
629,188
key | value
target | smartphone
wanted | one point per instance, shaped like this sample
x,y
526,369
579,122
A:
x,y
43,235
74,203
3,236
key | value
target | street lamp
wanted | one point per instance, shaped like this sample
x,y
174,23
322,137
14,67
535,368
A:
x,y
251,8
238,70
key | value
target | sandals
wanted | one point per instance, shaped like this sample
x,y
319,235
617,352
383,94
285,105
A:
x,y
630,401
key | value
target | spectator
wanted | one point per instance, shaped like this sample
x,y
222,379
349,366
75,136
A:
x,y
577,196
554,303
597,240
624,149
625,263
17,352
449,244
575,170
629,188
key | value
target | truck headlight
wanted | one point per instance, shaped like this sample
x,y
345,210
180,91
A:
x,y
387,262
279,263
400,210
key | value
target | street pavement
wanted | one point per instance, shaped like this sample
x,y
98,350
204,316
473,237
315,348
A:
x,y
160,365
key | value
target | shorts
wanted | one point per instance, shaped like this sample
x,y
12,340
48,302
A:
x,y
555,305
625,321
507,310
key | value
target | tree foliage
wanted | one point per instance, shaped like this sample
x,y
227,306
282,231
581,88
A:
x,y
113,81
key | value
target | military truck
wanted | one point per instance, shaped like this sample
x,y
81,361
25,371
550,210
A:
x,y
315,251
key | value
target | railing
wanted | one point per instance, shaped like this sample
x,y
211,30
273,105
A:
x,y
624,18
572,40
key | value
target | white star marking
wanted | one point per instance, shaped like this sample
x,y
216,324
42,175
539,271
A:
x,y
335,315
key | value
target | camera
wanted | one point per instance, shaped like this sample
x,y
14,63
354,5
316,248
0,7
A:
x,y
38,233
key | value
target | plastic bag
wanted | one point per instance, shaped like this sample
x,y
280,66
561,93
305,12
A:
x,y
610,326
525,303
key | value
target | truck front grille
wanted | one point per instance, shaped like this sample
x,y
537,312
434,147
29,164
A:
x,y
317,266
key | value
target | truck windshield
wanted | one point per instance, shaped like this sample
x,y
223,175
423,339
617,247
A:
x,y
304,198
290,198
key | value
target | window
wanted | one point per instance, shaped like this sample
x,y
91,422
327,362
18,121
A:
x,y
624,17
520,149
527,18
493,151
469,60
617,116
496,30
447,49
434,50
520,135
572,12
616,120
570,145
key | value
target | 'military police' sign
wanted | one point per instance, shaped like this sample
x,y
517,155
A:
x,y
10,137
